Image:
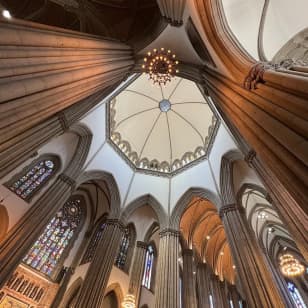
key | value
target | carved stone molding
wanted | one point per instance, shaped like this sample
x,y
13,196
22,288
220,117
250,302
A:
x,y
255,75
116,222
68,180
187,252
250,156
142,244
227,208
63,120
169,231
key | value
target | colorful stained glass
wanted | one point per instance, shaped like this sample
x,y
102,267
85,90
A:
x,y
89,254
122,255
297,298
148,267
48,249
33,179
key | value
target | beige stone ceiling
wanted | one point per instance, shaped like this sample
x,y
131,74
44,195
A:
x,y
156,140
202,229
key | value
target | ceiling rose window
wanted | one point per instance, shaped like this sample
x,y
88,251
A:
x,y
161,129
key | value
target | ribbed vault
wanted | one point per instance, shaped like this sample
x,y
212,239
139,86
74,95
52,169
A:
x,y
202,229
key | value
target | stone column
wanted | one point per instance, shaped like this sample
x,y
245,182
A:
x,y
167,291
45,69
189,283
37,136
22,236
64,283
137,271
203,286
268,109
254,274
218,294
234,296
172,12
93,288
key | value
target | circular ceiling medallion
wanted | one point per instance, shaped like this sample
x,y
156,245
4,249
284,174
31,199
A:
x,y
164,105
161,129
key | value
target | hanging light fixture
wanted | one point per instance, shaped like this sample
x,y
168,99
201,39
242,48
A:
x,y
129,301
160,65
290,266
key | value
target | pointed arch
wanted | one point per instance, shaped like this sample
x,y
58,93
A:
x,y
116,288
71,293
226,175
108,178
186,198
82,150
146,200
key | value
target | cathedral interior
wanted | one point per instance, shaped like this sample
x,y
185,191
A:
x,y
153,153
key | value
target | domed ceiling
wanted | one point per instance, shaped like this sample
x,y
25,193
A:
x,y
161,129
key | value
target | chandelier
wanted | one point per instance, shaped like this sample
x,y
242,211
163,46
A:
x,y
160,65
290,266
129,301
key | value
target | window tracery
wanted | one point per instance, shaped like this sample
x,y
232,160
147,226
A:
x,y
33,177
123,251
89,254
47,251
148,267
297,298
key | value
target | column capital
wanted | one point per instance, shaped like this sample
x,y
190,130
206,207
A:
x,y
250,156
116,222
187,252
63,120
227,208
169,231
67,180
141,244
201,265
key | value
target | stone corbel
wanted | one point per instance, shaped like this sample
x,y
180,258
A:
x,y
249,157
255,75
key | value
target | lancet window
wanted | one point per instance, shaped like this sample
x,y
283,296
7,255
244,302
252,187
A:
x,y
148,267
34,177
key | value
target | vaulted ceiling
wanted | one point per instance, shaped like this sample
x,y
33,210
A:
x,y
134,21
202,229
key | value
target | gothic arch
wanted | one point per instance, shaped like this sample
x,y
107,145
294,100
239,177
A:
x,y
153,227
186,198
71,293
146,200
115,198
82,150
226,175
4,221
116,288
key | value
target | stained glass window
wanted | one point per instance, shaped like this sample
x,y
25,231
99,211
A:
x,y
297,298
148,267
33,179
89,254
122,255
50,246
